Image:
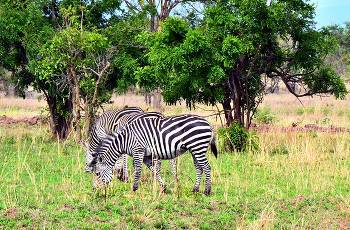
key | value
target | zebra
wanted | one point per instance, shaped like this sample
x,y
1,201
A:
x,y
149,139
115,121
104,126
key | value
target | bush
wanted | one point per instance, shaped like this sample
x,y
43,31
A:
x,y
237,138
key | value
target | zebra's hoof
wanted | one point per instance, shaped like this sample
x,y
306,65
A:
x,y
195,189
123,179
207,192
134,188
164,190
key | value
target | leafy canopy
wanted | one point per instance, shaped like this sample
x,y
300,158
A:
x,y
242,44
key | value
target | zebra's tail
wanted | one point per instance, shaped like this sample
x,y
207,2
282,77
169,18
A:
x,y
212,144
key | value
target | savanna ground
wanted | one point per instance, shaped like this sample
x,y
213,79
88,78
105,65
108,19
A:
x,y
298,179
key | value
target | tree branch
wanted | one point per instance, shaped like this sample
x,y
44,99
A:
x,y
98,83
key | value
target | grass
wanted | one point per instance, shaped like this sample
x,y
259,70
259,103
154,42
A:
x,y
294,181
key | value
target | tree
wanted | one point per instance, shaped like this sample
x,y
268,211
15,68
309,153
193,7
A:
x,y
27,34
242,44
23,29
81,58
155,12
339,59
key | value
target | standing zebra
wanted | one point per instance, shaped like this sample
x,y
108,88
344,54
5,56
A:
x,y
147,139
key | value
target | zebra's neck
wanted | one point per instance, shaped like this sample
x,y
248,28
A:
x,y
94,141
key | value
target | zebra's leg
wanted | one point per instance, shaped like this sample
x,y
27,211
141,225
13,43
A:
x,y
173,168
207,172
137,162
122,168
199,173
155,165
205,167
125,168
118,167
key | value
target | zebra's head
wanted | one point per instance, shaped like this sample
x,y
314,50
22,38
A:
x,y
103,172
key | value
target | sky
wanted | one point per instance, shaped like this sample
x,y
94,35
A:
x,y
330,12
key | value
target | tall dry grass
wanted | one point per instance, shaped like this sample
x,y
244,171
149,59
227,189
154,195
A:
x,y
21,108
321,111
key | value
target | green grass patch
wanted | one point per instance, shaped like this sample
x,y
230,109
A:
x,y
294,181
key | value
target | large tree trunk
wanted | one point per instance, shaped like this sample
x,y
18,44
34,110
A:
x,y
60,125
237,90
89,119
53,10
88,122
157,101
148,99
76,113
152,29
236,95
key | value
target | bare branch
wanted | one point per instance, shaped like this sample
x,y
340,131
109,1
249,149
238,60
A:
x,y
98,83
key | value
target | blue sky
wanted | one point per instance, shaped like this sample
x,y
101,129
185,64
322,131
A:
x,y
330,12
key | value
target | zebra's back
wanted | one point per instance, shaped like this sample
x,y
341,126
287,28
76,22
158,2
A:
x,y
169,137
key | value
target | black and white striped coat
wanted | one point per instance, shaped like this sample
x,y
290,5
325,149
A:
x,y
147,139
107,123
115,121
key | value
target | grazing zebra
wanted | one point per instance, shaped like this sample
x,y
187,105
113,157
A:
x,y
115,121
105,125
149,139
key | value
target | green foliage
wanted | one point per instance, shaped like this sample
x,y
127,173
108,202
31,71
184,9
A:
x,y
324,80
305,110
236,137
325,110
176,61
339,58
76,49
38,46
326,121
311,134
280,150
242,42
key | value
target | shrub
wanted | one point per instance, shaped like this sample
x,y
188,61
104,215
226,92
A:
x,y
237,138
